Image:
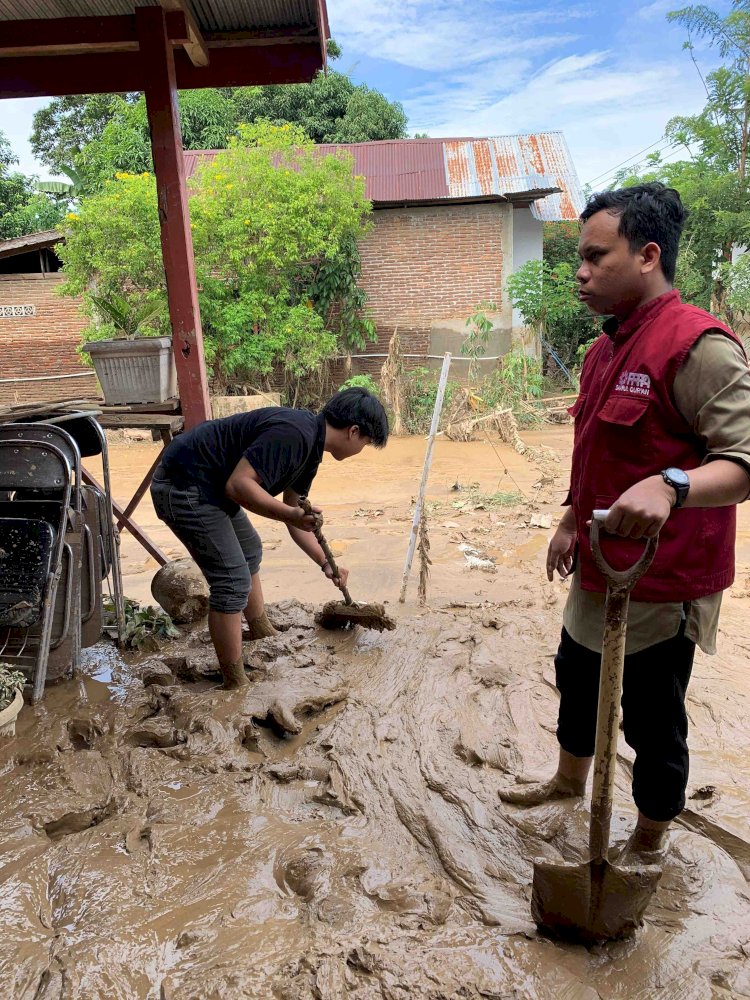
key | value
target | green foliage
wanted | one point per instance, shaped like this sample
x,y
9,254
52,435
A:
x,y
736,280
127,318
712,177
275,231
518,379
10,681
112,254
362,382
419,394
146,628
103,134
22,208
474,346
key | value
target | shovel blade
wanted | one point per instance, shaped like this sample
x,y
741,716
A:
x,y
591,902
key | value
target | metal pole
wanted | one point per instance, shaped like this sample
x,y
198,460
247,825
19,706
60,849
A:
x,y
425,474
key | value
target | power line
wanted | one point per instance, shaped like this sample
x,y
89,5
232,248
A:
x,y
668,149
612,170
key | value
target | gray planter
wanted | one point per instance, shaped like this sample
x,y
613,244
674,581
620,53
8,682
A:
x,y
134,371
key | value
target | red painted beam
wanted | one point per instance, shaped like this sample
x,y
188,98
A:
x,y
118,72
66,35
174,216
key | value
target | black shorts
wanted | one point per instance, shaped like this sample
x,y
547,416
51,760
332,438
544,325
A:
x,y
226,547
654,719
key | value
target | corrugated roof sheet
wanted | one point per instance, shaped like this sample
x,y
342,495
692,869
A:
x,y
536,168
33,241
211,15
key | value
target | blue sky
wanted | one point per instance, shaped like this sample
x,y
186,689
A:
x,y
608,73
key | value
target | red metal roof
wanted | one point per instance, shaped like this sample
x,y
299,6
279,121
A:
x,y
534,168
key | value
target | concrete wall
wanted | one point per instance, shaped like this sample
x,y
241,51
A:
x,y
43,345
527,245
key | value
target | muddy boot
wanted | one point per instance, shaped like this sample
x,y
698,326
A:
x,y
261,628
645,847
234,675
556,788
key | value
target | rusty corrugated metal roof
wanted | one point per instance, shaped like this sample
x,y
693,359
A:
x,y
535,168
211,15
33,241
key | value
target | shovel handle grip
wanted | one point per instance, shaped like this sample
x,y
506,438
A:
x,y
305,504
620,581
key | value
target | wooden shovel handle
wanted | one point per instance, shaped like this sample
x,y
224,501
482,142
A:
x,y
305,504
620,581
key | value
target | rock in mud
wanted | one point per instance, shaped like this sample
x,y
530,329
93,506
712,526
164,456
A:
x,y
181,589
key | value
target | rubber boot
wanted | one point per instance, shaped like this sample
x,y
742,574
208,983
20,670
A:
x,y
261,628
234,675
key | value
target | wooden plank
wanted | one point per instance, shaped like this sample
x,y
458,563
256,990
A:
x,y
174,216
143,421
135,530
168,406
68,35
195,46
118,72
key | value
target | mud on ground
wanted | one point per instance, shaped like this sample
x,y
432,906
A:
x,y
335,831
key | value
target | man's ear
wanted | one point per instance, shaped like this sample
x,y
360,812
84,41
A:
x,y
650,257
354,428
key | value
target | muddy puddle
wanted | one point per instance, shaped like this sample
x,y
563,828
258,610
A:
x,y
334,831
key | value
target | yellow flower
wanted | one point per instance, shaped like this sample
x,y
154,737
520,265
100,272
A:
x,y
72,216
247,222
229,187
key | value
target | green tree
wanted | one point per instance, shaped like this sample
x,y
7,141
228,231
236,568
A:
x,y
63,127
100,135
22,208
544,292
268,217
712,177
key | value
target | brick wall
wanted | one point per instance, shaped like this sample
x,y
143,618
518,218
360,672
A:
x,y
423,267
40,345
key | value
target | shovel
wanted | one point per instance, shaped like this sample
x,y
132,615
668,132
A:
x,y
344,614
597,900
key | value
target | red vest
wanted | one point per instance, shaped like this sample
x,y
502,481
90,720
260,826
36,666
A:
x,y
627,428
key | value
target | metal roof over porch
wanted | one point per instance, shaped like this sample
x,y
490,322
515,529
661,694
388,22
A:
x,y
57,47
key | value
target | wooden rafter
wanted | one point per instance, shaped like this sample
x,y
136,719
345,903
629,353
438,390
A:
x,y
196,47
69,35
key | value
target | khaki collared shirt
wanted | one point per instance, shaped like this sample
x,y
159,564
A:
x,y
712,392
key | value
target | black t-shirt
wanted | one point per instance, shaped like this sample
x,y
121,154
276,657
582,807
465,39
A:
x,y
284,446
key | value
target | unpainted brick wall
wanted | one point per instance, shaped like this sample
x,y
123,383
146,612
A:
x,y
44,344
421,265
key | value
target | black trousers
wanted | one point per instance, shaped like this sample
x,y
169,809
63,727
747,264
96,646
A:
x,y
654,719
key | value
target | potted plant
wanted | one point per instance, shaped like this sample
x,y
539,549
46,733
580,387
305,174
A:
x,y
11,698
136,365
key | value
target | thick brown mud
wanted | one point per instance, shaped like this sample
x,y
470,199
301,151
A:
x,y
334,830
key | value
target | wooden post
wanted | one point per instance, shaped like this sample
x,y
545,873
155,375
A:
x,y
425,474
174,217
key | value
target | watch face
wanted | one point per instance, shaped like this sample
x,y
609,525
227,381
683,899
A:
x,y
678,477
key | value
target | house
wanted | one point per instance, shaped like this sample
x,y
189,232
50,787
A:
x,y
453,217
40,330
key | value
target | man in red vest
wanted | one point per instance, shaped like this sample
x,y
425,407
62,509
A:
x,y
662,440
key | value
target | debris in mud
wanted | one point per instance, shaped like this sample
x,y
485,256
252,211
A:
x,y
476,560
540,521
181,589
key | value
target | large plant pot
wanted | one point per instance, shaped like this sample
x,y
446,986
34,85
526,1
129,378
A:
x,y
9,715
134,371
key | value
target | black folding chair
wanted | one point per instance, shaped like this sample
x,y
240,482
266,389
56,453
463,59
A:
x,y
33,560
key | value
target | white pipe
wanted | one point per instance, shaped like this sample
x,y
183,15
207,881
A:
x,y
425,474
47,378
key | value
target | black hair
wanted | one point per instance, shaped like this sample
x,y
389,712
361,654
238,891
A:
x,y
649,213
358,406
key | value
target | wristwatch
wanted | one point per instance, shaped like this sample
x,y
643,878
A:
x,y
680,483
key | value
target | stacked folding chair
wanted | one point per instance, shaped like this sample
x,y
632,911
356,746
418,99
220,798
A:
x,y
40,547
